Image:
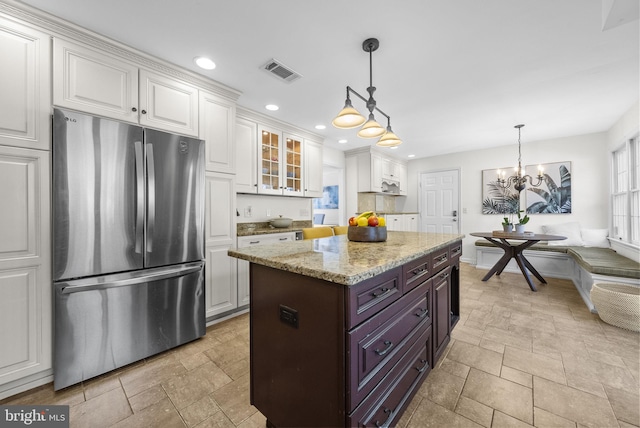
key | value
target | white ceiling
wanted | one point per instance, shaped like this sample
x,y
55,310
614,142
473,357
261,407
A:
x,y
454,75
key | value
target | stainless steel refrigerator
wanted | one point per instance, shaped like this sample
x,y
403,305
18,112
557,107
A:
x,y
128,244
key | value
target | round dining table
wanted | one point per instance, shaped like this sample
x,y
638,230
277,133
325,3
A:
x,y
514,250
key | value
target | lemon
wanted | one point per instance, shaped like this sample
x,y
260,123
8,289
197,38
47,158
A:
x,y
363,221
382,221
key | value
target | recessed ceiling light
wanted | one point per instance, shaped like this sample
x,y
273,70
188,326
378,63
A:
x,y
320,127
271,107
204,62
411,156
343,141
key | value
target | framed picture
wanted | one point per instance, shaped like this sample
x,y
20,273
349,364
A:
x,y
329,199
554,194
495,199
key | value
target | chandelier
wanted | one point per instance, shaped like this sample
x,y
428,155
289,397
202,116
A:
x,y
349,117
519,180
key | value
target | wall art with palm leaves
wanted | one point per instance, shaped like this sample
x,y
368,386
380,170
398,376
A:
x,y
495,199
554,194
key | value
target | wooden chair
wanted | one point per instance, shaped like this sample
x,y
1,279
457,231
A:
x,y
340,230
316,232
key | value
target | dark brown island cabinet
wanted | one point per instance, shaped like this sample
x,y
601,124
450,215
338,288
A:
x,y
329,355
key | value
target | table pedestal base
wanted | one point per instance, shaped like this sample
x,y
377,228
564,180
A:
x,y
514,252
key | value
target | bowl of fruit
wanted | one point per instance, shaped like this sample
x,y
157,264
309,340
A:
x,y
367,227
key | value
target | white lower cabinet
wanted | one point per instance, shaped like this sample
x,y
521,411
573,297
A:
x,y
402,222
395,222
220,277
411,222
25,269
243,265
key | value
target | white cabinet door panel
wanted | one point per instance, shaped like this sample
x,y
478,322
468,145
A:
x,y
25,85
246,137
220,278
220,209
312,169
25,263
217,126
168,104
94,82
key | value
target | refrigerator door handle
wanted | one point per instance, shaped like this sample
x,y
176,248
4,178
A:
x,y
139,196
122,280
151,197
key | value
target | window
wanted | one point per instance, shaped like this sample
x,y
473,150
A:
x,y
625,195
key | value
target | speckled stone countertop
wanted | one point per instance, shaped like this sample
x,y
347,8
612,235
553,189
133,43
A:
x,y
336,259
264,228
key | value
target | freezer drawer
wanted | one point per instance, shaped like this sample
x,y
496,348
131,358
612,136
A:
x,y
107,322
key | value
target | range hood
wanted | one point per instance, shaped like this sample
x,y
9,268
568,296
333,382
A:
x,y
390,187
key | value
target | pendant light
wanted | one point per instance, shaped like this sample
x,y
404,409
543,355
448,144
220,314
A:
x,y
349,117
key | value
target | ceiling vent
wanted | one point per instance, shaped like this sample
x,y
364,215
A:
x,y
280,71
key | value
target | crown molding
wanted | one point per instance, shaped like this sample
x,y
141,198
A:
x,y
57,27
263,119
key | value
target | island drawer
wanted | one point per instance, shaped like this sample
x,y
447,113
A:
x,y
383,407
416,272
440,259
380,342
455,251
371,296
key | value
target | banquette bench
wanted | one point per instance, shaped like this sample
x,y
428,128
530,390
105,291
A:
x,y
583,265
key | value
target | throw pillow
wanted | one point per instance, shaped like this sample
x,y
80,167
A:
x,y
595,238
570,230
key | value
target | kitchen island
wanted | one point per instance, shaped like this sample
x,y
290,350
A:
x,y
343,333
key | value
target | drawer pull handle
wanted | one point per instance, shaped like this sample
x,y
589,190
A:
x,y
254,242
385,423
422,313
283,239
441,259
424,367
444,275
382,291
418,271
388,346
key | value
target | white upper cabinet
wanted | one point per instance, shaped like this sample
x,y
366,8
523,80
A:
x,y
94,82
217,129
246,138
106,85
168,104
25,86
312,169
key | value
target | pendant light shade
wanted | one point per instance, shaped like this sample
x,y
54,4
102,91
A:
x,y
348,117
371,129
389,139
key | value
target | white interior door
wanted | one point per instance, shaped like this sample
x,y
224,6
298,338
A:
x,y
439,201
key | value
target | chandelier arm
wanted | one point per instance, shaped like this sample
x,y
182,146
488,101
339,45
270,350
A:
x,y
353,91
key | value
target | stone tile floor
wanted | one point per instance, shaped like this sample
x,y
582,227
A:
x,y
516,359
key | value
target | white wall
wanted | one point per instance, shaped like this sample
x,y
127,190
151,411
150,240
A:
x,y
589,158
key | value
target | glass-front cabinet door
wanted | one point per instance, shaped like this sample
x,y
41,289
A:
x,y
269,154
292,165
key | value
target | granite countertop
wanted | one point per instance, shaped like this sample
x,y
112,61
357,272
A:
x,y
265,228
336,259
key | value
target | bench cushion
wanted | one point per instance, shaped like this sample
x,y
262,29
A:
x,y
605,261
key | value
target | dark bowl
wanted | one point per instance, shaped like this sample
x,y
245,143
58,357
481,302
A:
x,y
367,233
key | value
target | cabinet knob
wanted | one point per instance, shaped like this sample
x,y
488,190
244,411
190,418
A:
x,y
133,109
143,112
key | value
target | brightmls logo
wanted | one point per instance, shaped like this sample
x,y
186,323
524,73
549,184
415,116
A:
x,y
34,416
